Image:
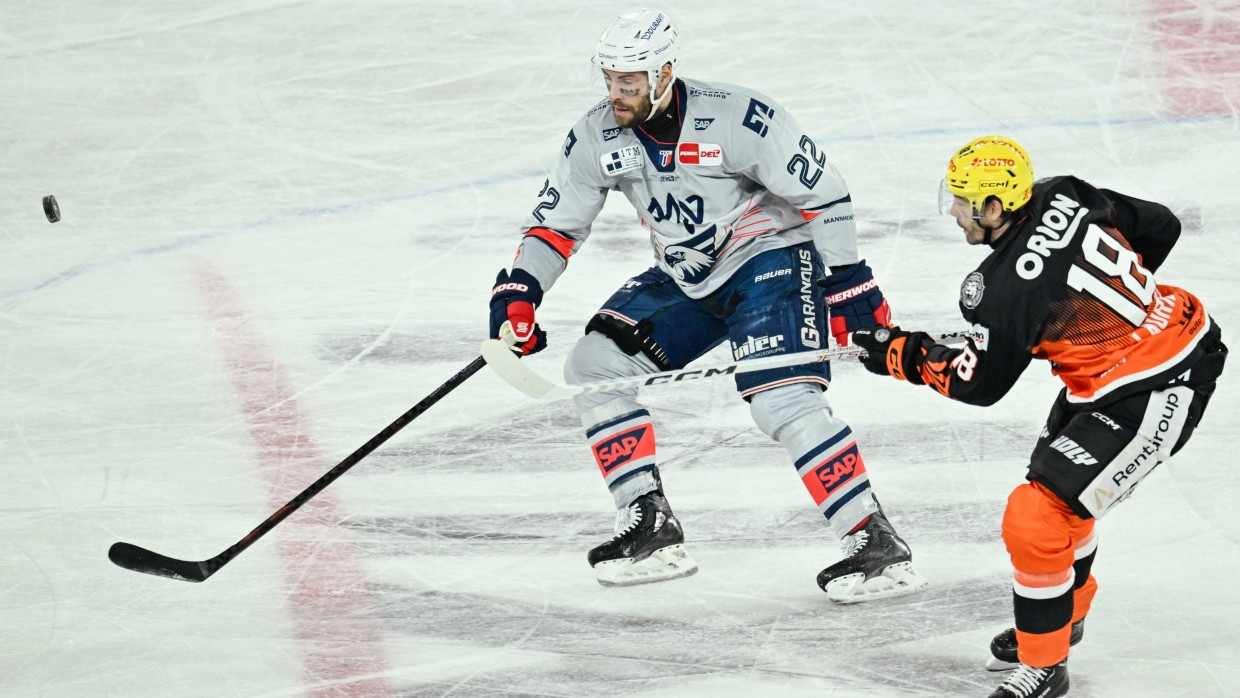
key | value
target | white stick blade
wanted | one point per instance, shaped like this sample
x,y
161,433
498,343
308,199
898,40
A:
x,y
508,366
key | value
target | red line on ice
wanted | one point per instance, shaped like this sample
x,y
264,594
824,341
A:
x,y
1197,49
339,640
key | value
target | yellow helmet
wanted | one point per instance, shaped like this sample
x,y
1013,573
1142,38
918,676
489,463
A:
x,y
990,166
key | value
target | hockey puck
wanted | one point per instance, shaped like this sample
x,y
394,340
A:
x,y
51,208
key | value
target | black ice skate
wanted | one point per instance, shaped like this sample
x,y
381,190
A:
x,y
877,565
1031,682
649,546
1003,647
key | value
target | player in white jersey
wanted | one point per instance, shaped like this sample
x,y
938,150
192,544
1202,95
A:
x,y
745,215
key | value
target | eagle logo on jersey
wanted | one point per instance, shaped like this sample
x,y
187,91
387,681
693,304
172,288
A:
x,y
971,290
691,261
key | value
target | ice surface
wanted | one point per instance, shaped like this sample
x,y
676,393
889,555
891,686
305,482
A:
x,y
280,225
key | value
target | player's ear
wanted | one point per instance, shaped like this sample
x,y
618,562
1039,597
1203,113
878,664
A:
x,y
994,207
665,76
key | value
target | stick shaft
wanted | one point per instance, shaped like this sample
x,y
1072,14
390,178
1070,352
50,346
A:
x,y
141,560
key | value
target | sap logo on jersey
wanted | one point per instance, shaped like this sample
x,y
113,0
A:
x,y
1059,224
702,124
704,154
609,134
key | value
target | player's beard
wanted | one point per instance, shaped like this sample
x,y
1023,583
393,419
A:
x,y
638,111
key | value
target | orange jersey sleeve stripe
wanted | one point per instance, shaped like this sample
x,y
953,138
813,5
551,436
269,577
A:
x,y
561,244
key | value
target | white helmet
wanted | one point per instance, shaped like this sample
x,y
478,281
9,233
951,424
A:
x,y
639,40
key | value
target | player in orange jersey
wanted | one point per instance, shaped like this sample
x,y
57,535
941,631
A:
x,y
1070,279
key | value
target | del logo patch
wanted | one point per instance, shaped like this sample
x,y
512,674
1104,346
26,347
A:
x,y
703,154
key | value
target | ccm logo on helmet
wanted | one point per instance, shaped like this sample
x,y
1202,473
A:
x,y
510,286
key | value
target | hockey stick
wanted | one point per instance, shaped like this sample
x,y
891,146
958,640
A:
x,y
132,557
504,362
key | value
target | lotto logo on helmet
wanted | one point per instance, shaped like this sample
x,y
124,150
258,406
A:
x,y
993,162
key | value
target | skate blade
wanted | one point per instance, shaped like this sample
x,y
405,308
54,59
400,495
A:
x,y
672,562
896,580
996,664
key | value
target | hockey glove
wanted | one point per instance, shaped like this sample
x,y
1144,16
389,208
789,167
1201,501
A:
x,y
512,311
893,352
854,300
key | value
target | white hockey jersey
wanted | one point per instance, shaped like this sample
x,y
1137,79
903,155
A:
x,y
743,178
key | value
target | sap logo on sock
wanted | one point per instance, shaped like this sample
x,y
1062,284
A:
x,y
620,448
840,468
702,124
1073,452
756,345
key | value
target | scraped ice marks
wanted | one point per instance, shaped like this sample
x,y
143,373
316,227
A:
x,y
1196,50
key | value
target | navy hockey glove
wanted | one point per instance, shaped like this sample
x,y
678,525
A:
x,y
854,300
893,352
512,311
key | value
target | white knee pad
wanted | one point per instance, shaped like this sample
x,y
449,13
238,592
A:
x,y
596,357
797,407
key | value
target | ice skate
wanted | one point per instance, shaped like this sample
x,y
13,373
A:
x,y
649,546
1031,682
1003,647
877,565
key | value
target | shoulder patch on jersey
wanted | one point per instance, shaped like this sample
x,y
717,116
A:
x,y
704,154
620,161
971,290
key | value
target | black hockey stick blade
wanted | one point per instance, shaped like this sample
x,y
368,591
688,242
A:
x,y
132,557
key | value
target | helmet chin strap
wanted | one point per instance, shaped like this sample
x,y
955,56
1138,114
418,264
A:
x,y
988,232
656,104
